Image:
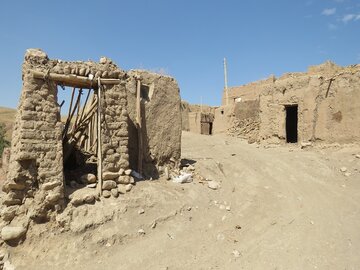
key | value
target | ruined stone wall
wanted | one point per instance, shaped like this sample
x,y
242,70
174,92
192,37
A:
x,y
161,118
115,137
35,177
35,182
327,105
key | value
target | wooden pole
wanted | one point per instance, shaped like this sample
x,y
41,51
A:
x,y
226,82
74,80
99,149
139,124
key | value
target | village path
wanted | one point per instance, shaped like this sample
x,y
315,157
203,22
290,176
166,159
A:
x,y
278,207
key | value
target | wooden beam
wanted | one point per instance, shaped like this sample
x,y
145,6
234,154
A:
x,y
139,124
99,148
74,80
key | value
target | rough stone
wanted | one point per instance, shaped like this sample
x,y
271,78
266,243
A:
x,y
115,192
343,169
122,188
128,187
106,193
109,184
88,178
12,233
213,185
128,172
110,175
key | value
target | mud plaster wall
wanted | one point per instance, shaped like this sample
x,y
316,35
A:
x,y
35,184
328,106
246,92
161,121
190,115
35,177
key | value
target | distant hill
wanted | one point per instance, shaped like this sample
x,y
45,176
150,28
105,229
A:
x,y
7,117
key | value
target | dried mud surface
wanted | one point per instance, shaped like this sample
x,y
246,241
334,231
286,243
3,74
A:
x,y
278,207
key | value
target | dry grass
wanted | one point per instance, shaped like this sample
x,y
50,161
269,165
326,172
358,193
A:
x,y
7,117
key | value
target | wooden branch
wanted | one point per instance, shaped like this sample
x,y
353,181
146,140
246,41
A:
x,y
74,80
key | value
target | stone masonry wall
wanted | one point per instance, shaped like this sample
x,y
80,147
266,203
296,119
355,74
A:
x,y
35,177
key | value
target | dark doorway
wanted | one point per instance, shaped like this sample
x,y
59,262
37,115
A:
x,y
291,123
210,128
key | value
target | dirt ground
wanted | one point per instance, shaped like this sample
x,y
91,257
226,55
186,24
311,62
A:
x,y
278,207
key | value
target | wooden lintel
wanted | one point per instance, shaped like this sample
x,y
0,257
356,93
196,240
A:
x,y
74,80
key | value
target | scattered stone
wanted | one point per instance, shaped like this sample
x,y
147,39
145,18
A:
x,y
222,207
213,185
228,208
88,178
191,168
153,225
189,208
109,184
141,211
141,232
12,233
121,171
128,172
238,227
220,237
93,185
347,174
305,144
343,169
115,192
236,253
106,193
357,155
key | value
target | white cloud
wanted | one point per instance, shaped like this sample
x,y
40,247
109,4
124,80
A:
x,y
328,11
350,17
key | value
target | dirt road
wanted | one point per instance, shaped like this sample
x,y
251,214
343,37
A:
x,y
277,208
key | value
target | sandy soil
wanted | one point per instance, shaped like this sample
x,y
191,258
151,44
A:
x,y
278,208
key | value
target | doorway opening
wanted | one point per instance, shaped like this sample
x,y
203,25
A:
x,y
210,128
291,123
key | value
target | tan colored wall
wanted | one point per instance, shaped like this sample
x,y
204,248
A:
x,y
194,122
328,105
161,121
223,119
246,92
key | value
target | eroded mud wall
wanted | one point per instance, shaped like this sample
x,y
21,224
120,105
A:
x,y
161,118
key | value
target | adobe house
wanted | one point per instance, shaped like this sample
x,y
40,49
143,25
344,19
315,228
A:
x,y
117,126
319,105
197,118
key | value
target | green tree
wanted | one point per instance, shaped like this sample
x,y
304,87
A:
x,y
3,142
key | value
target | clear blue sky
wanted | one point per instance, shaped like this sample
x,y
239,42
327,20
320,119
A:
x,y
186,38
